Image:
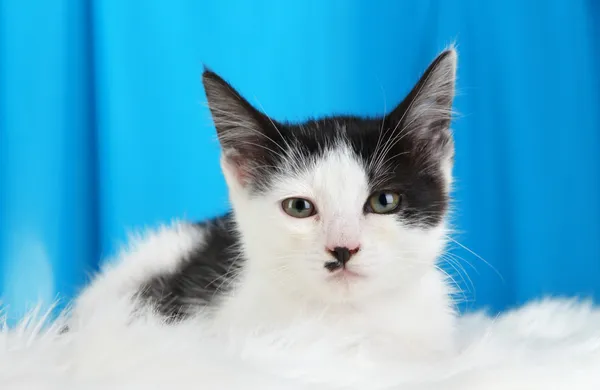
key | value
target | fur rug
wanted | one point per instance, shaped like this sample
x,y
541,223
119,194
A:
x,y
552,344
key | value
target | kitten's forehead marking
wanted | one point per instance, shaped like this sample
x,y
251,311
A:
x,y
341,183
339,180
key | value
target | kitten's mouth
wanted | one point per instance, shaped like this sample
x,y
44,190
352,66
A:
x,y
345,274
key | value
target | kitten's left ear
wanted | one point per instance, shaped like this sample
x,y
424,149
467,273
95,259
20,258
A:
x,y
426,112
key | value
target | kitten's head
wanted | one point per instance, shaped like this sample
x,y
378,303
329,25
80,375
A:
x,y
341,207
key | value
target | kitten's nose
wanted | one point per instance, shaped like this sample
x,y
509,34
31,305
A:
x,y
343,254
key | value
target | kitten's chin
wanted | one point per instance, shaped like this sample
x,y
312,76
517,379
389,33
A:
x,y
355,288
344,286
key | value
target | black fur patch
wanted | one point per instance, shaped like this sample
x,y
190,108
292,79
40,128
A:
x,y
207,272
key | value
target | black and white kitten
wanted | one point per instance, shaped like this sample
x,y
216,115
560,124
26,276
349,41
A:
x,y
322,277
341,218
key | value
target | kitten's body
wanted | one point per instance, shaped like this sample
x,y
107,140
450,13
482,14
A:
x,y
324,276
202,276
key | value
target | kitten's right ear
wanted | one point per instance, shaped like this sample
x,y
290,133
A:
x,y
241,128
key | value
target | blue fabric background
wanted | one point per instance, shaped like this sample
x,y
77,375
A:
x,y
104,128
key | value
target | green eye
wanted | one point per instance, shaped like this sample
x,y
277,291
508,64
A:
x,y
383,202
298,207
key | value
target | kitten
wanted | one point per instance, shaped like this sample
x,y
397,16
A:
x,y
342,218
322,277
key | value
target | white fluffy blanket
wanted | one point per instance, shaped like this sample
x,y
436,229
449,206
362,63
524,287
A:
x,y
545,345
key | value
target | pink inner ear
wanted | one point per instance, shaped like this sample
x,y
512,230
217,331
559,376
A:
x,y
237,168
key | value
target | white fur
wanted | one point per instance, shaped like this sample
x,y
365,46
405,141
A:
x,y
155,253
402,295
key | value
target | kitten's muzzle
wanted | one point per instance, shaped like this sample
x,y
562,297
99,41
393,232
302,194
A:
x,y
342,255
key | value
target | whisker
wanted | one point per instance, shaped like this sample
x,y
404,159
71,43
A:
x,y
276,128
463,274
479,257
459,258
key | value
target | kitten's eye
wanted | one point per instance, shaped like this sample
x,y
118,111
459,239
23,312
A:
x,y
298,207
383,202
